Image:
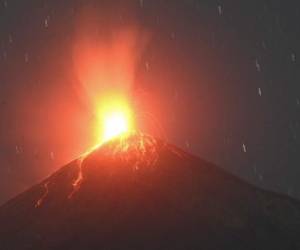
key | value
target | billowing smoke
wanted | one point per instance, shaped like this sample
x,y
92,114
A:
x,y
105,55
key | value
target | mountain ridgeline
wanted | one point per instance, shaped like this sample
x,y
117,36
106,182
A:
x,y
137,192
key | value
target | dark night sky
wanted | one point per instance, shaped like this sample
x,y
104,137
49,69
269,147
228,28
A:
x,y
222,78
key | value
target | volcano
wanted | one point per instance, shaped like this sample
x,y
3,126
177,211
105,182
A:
x,y
139,192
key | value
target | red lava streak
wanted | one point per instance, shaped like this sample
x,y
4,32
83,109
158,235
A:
x,y
40,201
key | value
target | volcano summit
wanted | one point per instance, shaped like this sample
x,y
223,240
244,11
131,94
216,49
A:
x,y
137,192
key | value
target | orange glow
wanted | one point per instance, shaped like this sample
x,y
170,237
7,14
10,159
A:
x,y
115,117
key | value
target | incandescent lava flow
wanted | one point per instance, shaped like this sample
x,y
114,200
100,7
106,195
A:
x,y
139,192
133,149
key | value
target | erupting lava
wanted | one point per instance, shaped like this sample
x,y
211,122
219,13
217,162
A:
x,y
115,117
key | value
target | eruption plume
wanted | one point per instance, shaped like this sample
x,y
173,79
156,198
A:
x,y
105,64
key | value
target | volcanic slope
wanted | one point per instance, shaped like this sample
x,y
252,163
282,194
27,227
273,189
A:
x,y
137,192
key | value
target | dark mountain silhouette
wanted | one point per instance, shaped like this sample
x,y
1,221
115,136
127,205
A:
x,y
141,193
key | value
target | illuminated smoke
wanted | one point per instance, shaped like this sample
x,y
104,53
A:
x,y
105,57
